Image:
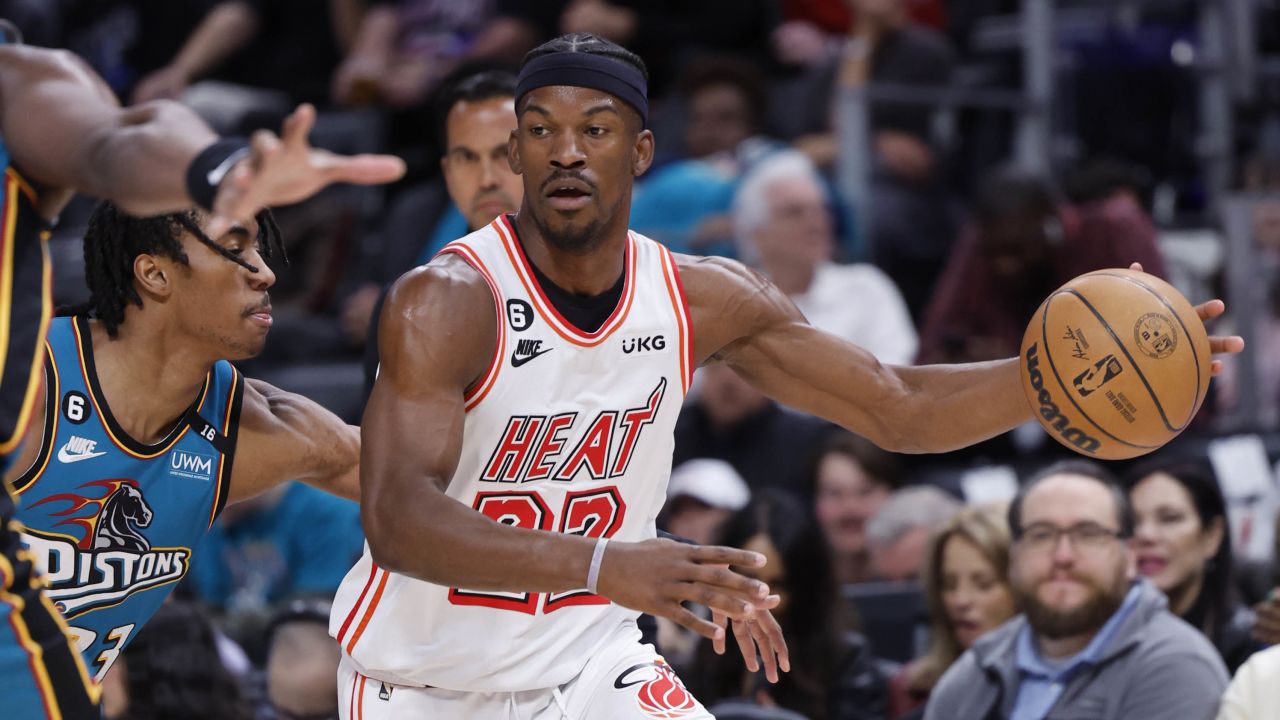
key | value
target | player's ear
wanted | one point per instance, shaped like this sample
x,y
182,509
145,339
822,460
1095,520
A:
x,y
513,153
153,276
644,153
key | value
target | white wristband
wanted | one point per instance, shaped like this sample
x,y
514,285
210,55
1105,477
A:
x,y
593,574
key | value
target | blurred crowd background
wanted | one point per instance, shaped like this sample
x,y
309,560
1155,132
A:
x,y
916,174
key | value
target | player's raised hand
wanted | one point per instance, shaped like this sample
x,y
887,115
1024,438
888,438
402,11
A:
x,y
759,632
1218,344
657,576
286,169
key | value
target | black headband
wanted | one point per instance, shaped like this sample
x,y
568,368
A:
x,y
597,72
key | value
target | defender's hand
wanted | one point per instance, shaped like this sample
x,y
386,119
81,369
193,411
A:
x,y
759,632
286,169
656,576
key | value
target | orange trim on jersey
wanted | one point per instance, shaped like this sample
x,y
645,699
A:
x,y
360,702
368,613
37,362
14,183
92,688
478,392
8,229
46,454
12,173
226,432
373,572
683,322
351,705
106,426
35,655
562,327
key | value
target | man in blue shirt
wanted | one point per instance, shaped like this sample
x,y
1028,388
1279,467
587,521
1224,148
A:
x,y
1092,641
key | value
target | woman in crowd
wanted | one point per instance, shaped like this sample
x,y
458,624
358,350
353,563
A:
x,y
967,588
833,676
1181,543
852,479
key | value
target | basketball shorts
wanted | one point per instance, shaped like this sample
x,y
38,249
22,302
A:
x,y
41,675
625,680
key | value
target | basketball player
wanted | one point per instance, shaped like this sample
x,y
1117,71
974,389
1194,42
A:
x,y
61,130
146,430
531,375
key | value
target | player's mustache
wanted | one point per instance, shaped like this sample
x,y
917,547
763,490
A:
x,y
568,175
265,304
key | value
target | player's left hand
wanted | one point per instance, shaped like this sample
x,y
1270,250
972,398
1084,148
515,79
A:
x,y
1218,344
759,632
286,169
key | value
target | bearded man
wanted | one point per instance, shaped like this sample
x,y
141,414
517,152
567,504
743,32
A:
x,y
1093,639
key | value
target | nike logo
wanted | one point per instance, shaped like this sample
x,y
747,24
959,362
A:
x,y
527,350
77,449
215,175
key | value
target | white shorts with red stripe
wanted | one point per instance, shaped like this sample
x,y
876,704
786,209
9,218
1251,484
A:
x,y
626,680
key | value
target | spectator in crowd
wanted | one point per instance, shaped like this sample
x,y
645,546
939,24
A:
x,y
685,204
851,482
404,48
832,674
783,223
728,419
899,533
302,662
701,495
643,26
1024,244
291,540
1091,640
1252,692
172,670
966,580
478,114
273,52
1182,545
666,33
908,213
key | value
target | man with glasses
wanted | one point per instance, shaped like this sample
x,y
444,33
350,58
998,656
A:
x,y
1093,640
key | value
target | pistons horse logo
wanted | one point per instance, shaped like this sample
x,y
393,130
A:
x,y
117,511
122,515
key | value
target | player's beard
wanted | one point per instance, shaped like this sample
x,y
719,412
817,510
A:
x,y
1089,616
571,238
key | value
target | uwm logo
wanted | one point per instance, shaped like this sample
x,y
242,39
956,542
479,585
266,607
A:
x,y
191,465
532,447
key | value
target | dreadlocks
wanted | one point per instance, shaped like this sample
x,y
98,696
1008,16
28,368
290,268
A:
x,y
114,239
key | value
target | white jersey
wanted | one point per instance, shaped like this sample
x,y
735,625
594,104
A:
x,y
567,432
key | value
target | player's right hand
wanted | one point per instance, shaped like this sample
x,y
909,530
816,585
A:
x,y
657,576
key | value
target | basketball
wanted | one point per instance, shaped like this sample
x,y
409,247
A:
x,y
1115,364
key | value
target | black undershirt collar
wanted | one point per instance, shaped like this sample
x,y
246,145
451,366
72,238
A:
x,y
587,313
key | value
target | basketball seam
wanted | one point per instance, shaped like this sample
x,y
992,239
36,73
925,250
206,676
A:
x,y
1194,355
1048,354
1145,383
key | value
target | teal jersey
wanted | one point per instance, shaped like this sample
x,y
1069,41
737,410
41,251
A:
x,y
113,521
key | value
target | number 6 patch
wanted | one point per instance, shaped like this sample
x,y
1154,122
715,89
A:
x,y
75,407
